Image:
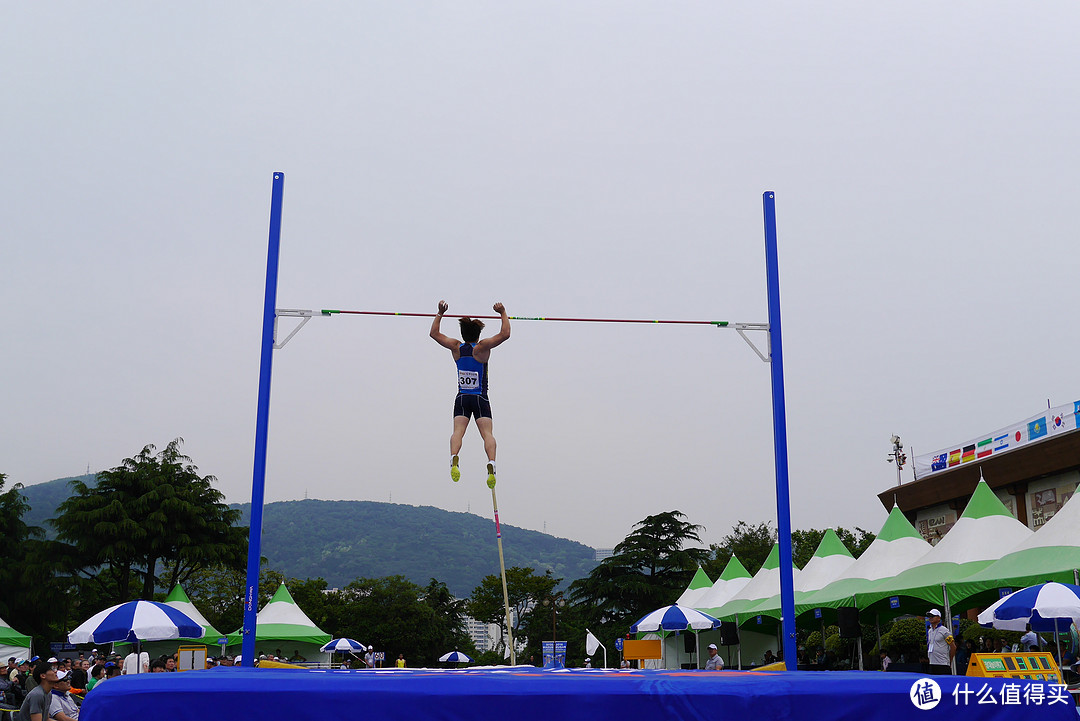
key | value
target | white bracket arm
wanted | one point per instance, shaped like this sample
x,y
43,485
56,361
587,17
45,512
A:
x,y
740,328
304,315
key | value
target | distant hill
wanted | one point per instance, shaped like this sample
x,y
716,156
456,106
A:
x,y
343,540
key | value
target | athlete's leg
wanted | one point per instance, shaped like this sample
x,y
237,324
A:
x,y
461,423
484,426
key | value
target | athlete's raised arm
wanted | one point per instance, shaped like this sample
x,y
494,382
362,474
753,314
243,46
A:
x,y
444,340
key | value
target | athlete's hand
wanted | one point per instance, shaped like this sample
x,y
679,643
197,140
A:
x,y
498,308
443,306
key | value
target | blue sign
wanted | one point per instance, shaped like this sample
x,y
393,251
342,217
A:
x,y
554,654
759,620
618,644
223,641
62,646
894,602
1003,592
817,613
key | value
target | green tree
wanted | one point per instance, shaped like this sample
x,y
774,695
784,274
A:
x,y
751,544
36,602
526,590
397,616
805,543
647,570
151,509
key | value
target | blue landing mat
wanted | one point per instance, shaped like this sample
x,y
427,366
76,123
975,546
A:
x,y
528,694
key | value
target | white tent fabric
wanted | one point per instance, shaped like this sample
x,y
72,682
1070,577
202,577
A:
x,y
698,587
731,581
764,584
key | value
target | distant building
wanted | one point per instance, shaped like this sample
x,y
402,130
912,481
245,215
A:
x,y
602,553
1032,466
483,635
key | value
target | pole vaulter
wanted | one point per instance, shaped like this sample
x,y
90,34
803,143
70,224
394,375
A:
x,y
773,356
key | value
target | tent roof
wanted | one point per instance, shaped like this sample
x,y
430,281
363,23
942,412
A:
x,y
731,581
984,533
765,583
1049,554
830,560
180,601
895,549
282,619
699,586
11,637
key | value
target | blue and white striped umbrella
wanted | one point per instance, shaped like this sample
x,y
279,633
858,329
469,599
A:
x,y
136,621
455,657
675,618
344,645
1042,605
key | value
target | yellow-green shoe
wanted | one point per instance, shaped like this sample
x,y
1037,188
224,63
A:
x,y
491,476
455,472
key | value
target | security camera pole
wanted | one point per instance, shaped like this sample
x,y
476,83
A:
x,y
898,456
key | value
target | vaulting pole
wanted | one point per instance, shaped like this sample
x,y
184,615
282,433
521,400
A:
x,y
783,502
262,424
502,570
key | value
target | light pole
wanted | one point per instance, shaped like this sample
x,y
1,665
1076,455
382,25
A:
x,y
556,601
897,456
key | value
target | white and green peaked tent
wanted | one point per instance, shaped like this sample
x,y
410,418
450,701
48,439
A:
x,y
731,581
180,601
1052,553
282,622
764,584
895,549
985,532
699,584
830,559
13,643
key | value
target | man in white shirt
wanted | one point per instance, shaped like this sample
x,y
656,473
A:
x,y
714,662
1031,641
137,663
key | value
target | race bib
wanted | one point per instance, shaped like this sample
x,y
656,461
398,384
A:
x,y
468,380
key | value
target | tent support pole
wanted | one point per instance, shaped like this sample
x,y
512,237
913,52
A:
x,y
948,616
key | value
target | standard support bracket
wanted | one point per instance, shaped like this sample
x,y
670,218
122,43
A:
x,y
740,328
304,315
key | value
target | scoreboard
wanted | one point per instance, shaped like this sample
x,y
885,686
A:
x,y
1034,666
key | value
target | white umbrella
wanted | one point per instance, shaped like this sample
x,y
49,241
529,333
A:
x,y
344,645
675,618
1045,606
455,657
136,621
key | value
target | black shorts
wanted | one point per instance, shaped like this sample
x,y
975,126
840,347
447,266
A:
x,y
472,406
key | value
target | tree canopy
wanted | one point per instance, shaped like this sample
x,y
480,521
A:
x,y
152,508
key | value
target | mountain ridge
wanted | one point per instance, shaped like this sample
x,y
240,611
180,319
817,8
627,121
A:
x,y
339,541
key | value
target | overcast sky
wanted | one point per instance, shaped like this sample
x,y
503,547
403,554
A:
x,y
589,159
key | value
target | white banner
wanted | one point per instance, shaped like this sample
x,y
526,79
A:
x,y
591,643
1048,423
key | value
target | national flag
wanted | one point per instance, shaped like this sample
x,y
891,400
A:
x,y
1036,428
937,463
954,458
984,448
1076,412
591,643
1057,422
969,454
1001,443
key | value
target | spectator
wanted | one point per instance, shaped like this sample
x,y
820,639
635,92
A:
x,y
63,706
96,674
296,657
963,657
1031,641
885,660
80,675
36,705
588,663
369,657
625,663
136,663
170,664
770,657
157,666
400,660
714,662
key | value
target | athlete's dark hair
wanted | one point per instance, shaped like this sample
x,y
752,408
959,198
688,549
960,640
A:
x,y
470,329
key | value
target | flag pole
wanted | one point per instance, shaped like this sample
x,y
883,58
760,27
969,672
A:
x,y
502,570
